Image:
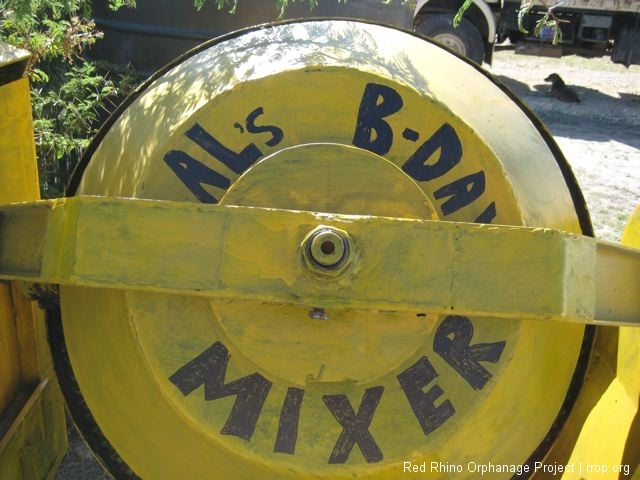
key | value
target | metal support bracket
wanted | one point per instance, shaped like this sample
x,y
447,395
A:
x,y
254,254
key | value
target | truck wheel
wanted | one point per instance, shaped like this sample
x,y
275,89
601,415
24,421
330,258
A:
x,y
464,39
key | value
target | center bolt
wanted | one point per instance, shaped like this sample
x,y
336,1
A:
x,y
326,248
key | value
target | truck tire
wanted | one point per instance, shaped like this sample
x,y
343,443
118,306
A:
x,y
464,39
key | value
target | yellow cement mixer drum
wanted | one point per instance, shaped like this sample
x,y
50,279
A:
x,y
337,118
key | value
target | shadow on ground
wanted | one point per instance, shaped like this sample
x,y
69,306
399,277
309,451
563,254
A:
x,y
605,117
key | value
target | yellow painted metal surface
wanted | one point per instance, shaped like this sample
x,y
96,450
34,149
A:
x,y
318,323
21,185
17,148
33,443
10,379
32,423
629,341
602,436
565,277
201,388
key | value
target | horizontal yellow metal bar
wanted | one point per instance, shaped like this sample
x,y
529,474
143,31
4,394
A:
x,y
256,254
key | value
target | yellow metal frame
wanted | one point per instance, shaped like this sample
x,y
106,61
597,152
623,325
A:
x,y
32,422
119,258
603,431
520,273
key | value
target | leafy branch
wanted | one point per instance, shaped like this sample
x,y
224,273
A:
x,y
549,20
68,93
232,5
461,11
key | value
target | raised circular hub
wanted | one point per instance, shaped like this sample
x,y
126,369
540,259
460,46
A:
x,y
326,178
330,117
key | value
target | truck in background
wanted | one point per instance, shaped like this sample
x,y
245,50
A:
x,y
587,27
159,30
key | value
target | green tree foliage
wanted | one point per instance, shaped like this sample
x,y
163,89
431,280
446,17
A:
x,y
549,20
68,93
231,5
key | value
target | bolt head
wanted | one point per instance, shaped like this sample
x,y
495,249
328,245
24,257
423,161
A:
x,y
327,248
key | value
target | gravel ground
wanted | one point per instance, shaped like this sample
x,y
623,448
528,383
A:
x,y
600,138
79,462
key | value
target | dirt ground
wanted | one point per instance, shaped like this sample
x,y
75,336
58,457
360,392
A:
x,y
600,137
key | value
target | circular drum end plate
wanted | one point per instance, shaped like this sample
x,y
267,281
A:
x,y
335,117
